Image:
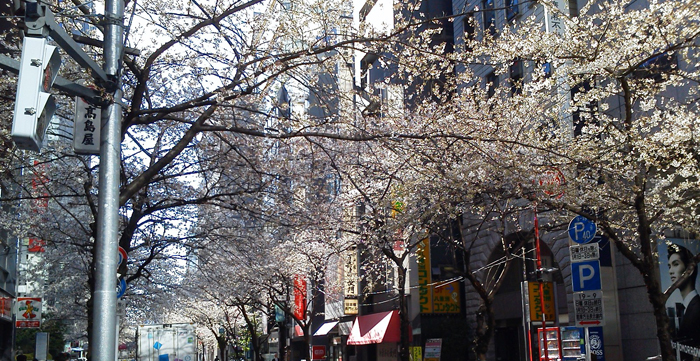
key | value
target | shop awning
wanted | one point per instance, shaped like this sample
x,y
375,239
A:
x,y
325,328
376,328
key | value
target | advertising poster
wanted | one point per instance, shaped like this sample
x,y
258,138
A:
x,y
596,344
28,313
683,306
416,353
433,349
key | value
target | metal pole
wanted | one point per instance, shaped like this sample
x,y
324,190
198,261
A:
x,y
541,281
525,296
106,252
588,345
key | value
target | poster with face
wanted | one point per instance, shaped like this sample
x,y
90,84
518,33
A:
x,y
683,306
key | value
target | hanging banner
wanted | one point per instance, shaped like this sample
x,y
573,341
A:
x,y
28,314
299,297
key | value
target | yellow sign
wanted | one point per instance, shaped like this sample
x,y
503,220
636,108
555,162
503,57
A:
x,y
425,297
351,306
536,303
446,298
435,297
416,353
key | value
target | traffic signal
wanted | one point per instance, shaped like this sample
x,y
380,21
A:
x,y
34,104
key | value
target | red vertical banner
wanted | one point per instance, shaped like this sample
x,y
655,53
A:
x,y
299,297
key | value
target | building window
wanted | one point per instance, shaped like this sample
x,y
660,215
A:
x,y
491,84
365,66
469,31
516,77
585,113
657,67
489,17
547,69
573,8
367,75
512,9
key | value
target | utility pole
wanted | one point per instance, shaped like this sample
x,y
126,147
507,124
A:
x,y
33,110
106,246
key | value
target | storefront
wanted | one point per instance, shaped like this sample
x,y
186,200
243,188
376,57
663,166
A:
x,y
375,337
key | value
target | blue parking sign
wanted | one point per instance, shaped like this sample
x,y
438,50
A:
x,y
582,230
585,276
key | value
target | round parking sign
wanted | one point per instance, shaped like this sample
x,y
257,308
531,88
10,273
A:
x,y
582,230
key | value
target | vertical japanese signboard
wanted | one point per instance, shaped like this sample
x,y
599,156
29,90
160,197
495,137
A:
x,y
536,303
350,287
28,313
555,16
86,128
423,259
435,296
416,353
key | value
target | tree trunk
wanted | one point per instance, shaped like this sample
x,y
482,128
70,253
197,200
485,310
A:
x,y
252,329
485,325
221,342
658,303
646,265
305,355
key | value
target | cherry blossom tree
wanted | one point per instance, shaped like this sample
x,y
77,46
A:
x,y
206,71
609,102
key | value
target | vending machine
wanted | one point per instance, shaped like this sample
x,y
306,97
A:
x,y
552,352
572,344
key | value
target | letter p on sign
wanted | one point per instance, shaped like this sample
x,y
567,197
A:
x,y
585,276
